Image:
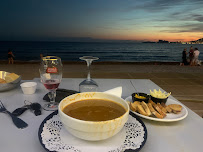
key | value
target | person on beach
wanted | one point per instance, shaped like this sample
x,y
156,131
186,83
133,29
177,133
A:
x,y
10,57
41,56
184,57
195,60
191,55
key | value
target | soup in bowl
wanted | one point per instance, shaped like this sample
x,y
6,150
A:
x,y
93,115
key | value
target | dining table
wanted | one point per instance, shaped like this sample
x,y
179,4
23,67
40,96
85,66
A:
x,y
179,136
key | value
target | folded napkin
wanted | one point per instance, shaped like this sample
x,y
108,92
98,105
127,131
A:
x,y
115,91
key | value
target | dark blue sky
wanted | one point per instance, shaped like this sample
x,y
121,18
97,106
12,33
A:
x,y
144,20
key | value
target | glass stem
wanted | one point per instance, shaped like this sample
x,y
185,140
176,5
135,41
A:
x,y
88,74
52,95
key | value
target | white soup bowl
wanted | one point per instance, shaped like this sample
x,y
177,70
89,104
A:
x,y
90,130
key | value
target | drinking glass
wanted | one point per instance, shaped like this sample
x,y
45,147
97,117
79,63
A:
x,y
88,85
51,75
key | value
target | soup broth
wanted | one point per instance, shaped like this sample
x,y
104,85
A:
x,y
94,110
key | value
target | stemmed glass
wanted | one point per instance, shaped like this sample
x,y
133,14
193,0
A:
x,y
51,75
88,85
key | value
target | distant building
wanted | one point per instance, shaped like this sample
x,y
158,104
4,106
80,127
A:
x,y
148,42
199,41
162,41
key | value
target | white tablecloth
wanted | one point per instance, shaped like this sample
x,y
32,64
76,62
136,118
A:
x,y
182,136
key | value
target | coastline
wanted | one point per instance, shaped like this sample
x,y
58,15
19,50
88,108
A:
x,y
117,52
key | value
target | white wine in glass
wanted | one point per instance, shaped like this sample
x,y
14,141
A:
x,y
51,75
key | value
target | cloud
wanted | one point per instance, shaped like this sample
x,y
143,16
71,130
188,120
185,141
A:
x,y
156,5
113,28
188,17
182,17
197,17
184,28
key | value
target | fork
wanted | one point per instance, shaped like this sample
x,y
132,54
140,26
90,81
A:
x,y
17,121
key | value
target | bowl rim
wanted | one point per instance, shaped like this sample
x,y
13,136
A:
x,y
95,122
158,98
33,84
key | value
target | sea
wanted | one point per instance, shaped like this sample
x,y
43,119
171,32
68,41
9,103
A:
x,y
108,51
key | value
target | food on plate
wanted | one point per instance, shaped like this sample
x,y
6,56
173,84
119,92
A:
x,y
168,109
141,110
159,110
11,77
94,110
162,108
175,107
156,114
159,94
146,108
133,106
139,97
152,109
2,81
176,112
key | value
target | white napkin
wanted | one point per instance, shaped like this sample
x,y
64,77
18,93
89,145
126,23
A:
x,y
115,91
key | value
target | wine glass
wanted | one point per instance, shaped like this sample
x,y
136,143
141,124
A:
x,y
51,75
88,85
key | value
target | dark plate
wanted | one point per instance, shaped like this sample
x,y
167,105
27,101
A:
x,y
60,94
127,150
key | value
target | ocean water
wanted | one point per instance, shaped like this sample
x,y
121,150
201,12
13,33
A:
x,y
117,52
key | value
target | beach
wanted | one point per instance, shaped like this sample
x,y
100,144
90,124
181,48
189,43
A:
x,y
106,52
185,82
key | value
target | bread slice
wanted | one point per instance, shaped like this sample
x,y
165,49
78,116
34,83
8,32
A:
x,y
11,77
146,108
162,108
176,112
157,115
141,110
133,106
154,112
151,107
169,110
2,81
159,110
175,107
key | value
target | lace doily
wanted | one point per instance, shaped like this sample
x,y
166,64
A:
x,y
54,137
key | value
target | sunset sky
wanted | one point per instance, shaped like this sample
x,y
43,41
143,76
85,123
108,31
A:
x,y
140,20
